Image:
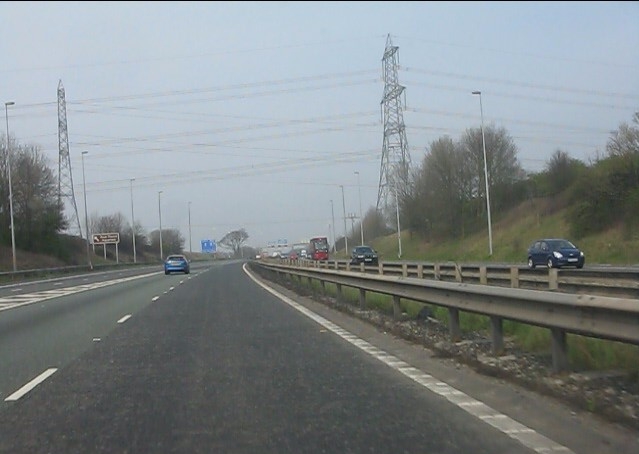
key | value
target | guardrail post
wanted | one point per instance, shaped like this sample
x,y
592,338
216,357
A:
x,y
420,270
454,328
405,269
380,268
483,275
458,273
437,272
340,294
323,284
553,279
514,277
336,265
497,331
362,299
310,285
397,308
348,266
559,350
361,267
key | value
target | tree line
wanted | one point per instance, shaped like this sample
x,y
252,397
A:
x,y
443,197
147,244
446,196
38,211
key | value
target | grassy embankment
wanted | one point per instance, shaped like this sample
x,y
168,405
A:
x,y
511,236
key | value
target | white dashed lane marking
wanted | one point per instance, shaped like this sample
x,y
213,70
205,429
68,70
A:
x,y
124,319
32,384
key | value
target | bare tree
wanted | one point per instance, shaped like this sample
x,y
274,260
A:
x,y
113,223
625,140
234,240
502,163
38,218
172,241
562,171
445,179
375,224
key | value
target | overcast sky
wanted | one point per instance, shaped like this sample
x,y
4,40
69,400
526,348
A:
x,y
253,114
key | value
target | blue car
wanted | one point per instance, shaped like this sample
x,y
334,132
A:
x,y
555,253
176,263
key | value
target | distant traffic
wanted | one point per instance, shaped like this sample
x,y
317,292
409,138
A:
x,y
316,248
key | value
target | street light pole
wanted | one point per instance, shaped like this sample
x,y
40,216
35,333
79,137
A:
x,y
13,236
345,233
399,230
483,140
361,217
334,237
160,213
190,246
135,259
86,214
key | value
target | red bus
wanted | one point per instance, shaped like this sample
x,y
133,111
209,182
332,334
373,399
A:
x,y
318,248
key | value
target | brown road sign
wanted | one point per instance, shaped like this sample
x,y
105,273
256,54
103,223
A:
x,y
106,238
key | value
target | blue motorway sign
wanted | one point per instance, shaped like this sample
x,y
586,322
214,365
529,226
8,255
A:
x,y
209,246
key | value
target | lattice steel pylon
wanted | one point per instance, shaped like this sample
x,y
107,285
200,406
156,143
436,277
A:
x,y
393,175
65,176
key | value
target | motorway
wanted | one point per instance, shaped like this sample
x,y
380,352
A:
x,y
220,362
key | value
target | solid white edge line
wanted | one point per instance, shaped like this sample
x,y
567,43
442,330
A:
x,y
533,440
32,384
124,319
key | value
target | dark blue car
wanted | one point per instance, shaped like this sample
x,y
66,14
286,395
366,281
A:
x,y
555,253
176,263
364,254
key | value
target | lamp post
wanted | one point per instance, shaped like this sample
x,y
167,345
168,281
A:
x,y
86,214
399,230
160,213
13,236
345,233
135,259
361,217
190,246
483,140
334,237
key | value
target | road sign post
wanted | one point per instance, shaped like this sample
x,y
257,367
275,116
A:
x,y
107,238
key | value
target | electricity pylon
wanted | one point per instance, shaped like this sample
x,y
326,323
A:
x,y
65,176
393,175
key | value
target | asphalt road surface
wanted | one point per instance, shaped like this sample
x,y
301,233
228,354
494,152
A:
x,y
214,362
